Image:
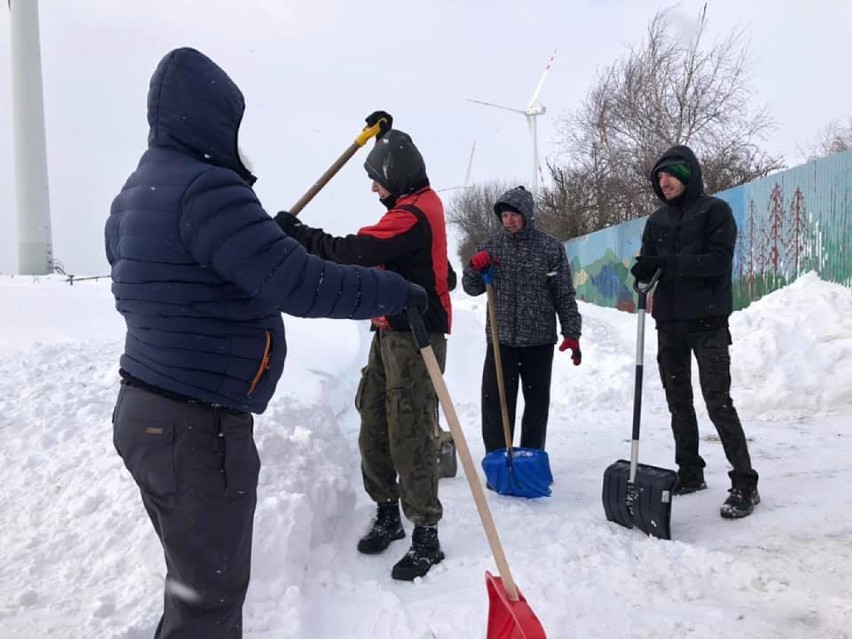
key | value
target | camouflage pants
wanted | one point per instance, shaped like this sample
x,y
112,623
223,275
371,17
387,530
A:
x,y
674,355
399,411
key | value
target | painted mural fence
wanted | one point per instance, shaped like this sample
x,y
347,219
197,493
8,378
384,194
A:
x,y
789,223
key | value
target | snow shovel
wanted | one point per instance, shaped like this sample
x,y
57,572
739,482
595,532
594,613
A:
x,y
638,495
519,472
362,138
509,614
447,463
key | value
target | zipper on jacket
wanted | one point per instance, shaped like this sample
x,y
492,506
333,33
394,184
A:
x,y
264,363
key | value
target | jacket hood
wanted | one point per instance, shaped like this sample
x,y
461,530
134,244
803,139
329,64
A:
x,y
396,164
195,107
695,187
519,200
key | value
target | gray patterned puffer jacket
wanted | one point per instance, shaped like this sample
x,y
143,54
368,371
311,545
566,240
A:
x,y
532,280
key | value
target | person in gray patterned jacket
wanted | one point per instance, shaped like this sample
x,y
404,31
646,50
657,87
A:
x,y
532,286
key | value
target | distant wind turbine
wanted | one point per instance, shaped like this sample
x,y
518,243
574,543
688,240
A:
x,y
466,184
531,112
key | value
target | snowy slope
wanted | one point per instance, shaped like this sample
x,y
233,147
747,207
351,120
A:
x,y
81,560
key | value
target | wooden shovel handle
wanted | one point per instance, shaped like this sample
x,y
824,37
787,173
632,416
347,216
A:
x,y
437,378
361,140
498,364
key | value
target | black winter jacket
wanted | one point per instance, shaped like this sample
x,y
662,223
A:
x,y
699,231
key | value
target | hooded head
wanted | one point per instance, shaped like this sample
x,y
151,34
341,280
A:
x,y
679,162
517,200
194,106
396,164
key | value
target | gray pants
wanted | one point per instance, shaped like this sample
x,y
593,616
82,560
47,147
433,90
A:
x,y
196,467
399,415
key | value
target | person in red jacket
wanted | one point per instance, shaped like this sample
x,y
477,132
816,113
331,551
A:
x,y
395,398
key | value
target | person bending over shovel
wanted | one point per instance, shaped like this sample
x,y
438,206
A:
x,y
395,398
532,287
691,237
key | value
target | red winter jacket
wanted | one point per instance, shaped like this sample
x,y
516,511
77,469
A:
x,y
410,239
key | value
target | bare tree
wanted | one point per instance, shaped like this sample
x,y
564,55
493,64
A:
x,y
472,211
671,90
568,208
834,138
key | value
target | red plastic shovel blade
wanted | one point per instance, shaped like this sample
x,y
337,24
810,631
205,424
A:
x,y
509,619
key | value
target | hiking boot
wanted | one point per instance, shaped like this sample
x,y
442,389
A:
x,y
740,503
387,527
684,487
424,553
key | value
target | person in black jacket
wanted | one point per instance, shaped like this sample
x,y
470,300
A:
x,y
201,274
691,237
396,400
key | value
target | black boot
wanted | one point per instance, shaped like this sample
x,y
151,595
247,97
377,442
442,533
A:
x,y
684,488
424,553
387,527
740,502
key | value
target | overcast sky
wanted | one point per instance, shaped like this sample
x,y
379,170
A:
x,y
311,71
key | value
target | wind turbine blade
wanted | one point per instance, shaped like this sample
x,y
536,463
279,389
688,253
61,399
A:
x,y
499,106
541,81
469,164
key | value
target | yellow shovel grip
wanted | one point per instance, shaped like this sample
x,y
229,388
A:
x,y
369,132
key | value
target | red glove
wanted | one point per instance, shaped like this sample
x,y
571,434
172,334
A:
x,y
574,345
481,261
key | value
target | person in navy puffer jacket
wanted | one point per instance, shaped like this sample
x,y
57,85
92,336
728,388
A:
x,y
202,275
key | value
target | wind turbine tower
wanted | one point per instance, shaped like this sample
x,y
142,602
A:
x,y
531,112
35,247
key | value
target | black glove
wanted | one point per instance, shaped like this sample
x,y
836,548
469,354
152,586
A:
x,y
288,222
647,265
384,126
417,298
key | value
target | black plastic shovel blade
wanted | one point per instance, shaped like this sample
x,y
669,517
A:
x,y
447,460
646,505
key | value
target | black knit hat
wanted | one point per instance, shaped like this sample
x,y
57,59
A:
x,y
396,164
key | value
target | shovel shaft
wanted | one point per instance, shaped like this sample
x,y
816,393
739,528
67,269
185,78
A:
x,y
464,453
324,179
637,389
498,365
360,141
643,289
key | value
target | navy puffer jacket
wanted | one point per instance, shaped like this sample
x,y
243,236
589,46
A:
x,y
200,272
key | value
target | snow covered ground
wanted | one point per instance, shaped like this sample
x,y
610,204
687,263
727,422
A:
x,y
79,557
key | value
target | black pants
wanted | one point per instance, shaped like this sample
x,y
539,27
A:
x,y
674,356
533,366
196,468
